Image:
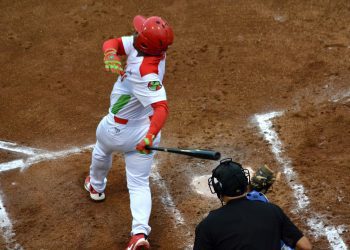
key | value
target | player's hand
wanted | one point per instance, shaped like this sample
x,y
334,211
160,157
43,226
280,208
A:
x,y
147,141
112,62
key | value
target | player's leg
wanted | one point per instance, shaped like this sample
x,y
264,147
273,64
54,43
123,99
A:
x,y
138,168
101,163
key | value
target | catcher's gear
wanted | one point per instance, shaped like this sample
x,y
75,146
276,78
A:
x,y
112,62
154,35
257,196
147,141
229,179
263,179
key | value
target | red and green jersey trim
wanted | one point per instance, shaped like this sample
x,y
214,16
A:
x,y
121,102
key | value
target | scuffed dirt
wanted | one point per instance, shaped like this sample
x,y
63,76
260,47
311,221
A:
x,y
230,60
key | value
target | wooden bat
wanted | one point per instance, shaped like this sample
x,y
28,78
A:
x,y
198,153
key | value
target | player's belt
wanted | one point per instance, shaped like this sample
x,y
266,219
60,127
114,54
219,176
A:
x,y
123,121
120,120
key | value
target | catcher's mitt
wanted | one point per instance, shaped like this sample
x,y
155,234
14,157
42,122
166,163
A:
x,y
263,179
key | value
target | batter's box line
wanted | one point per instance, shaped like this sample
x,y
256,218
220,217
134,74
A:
x,y
315,222
6,229
35,155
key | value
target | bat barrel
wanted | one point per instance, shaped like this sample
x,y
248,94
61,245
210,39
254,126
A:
x,y
197,153
206,154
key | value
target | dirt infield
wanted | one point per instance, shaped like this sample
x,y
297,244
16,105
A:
x,y
230,61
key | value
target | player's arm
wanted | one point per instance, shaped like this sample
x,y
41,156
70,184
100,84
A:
x,y
291,235
303,244
115,44
112,48
160,114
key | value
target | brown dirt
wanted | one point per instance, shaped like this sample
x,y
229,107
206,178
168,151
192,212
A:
x,y
7,156
230,60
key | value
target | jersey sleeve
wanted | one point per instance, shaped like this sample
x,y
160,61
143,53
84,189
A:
x,y
290,233
128,42
114,43
160,114
148,92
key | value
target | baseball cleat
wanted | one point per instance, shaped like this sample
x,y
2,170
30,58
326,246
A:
x,y
96,196
138,242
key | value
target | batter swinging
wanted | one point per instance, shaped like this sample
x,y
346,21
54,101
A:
x,y
138,111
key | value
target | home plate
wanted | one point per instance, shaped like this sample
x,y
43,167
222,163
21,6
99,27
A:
x,y
200,184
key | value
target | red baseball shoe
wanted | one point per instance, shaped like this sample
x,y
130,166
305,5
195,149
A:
x,y
138,242
96,196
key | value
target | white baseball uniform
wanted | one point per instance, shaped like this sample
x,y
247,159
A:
x,y
130,103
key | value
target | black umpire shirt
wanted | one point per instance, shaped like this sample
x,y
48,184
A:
x,y
249,225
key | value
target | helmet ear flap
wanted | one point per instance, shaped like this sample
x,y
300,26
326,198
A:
x,y
218,187
215,185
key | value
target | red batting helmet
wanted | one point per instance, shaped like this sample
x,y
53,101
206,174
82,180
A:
x,y
154,35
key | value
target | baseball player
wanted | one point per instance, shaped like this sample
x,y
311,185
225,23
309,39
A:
x,y
138,111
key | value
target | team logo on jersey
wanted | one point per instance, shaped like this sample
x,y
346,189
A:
x,y
154,85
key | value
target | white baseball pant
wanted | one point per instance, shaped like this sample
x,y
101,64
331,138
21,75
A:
x,y
113,137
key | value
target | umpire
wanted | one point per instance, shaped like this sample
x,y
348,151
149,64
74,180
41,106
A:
x,y
240,223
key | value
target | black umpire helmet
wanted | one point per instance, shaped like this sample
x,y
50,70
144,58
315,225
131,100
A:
x,y
229,178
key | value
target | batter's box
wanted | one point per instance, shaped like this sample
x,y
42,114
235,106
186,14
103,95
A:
x,y
317,138
312,145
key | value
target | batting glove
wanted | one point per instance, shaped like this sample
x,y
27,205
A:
x,y
112,62
147,141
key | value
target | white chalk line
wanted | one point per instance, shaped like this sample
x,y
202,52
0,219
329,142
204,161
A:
x,y
343,97
315,222
265,125
331,232
11,165
167,199
168,202
41,155
13,147
6,228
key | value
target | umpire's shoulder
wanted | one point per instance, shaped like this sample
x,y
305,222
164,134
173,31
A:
x,y
277,210
274,206
209,217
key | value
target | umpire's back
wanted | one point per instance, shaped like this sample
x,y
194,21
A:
x,y
244,224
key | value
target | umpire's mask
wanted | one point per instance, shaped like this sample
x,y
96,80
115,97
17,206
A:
x,y
229,179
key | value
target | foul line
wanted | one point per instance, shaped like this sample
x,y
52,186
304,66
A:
x,y
315,222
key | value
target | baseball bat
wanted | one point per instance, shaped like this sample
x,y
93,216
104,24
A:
x,y
197,153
